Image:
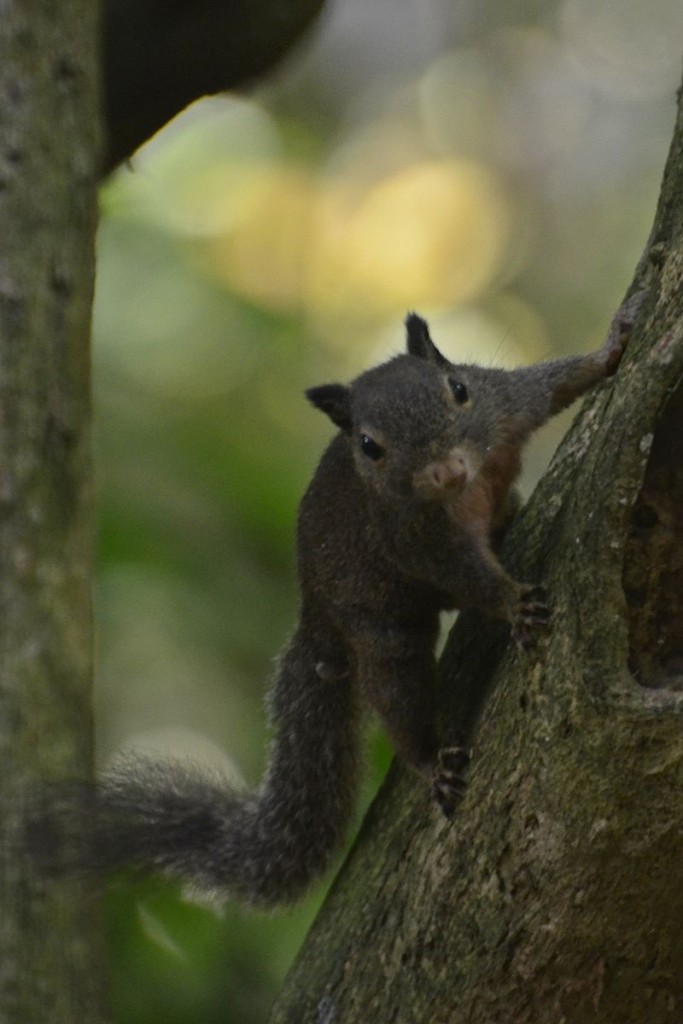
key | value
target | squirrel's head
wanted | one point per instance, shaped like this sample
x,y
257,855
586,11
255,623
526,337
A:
x,y
412,422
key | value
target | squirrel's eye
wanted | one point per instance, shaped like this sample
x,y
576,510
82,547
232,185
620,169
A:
x,y
370,448
460,393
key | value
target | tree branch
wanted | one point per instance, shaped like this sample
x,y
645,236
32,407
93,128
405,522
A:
x,y
555,894
159,57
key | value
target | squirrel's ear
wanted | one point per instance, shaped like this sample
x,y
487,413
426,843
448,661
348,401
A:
x,y
335,401
419,342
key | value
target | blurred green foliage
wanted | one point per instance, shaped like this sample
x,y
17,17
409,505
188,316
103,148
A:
x,y
496,173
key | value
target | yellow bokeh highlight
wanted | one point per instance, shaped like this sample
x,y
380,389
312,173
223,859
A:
x,y
263,256
433,233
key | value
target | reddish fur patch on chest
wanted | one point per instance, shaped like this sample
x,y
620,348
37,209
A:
x,y
475,508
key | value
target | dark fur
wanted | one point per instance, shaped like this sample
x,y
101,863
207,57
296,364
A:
x,y
385,543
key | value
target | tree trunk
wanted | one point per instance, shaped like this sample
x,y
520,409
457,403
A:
x,y
49,934
555,895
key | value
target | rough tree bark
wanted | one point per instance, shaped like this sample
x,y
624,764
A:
x,y
555,896
49,934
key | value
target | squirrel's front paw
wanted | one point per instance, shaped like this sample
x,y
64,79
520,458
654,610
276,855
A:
x,y
620,330
531,615
448,780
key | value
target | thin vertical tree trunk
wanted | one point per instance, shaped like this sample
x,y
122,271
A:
x,y
50,968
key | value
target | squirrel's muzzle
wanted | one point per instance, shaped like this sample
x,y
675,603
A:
x,y
441,478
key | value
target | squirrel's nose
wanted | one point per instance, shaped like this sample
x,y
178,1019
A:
x,y
451,472
443,477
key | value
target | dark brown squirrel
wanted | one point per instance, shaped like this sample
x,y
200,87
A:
x,y
395,526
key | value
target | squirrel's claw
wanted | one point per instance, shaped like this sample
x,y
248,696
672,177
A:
x,y
531,615
448,780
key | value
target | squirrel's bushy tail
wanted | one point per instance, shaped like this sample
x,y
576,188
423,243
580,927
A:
x,y
263,847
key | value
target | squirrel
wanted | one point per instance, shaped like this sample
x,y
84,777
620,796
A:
x,y
396,525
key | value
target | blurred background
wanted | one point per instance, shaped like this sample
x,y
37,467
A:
x,y
493,165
